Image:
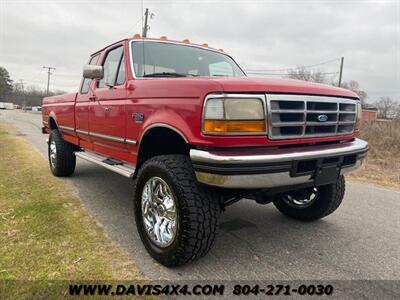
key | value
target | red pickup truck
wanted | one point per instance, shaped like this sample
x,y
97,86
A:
x,y
196,135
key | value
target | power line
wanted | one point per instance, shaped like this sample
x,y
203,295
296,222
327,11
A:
x,y
137,22
294,68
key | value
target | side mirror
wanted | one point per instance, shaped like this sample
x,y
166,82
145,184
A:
x,y
93,72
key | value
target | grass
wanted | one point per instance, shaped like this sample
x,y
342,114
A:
x,y
45,234
382,164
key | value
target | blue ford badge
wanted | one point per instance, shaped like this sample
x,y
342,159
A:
x,y
322,118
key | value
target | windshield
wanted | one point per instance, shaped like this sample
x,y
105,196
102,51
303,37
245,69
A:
x,y
158,59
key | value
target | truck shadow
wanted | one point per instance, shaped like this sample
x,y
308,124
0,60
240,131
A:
x,y
253,241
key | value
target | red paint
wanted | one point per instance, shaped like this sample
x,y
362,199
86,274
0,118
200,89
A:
x,y
177,102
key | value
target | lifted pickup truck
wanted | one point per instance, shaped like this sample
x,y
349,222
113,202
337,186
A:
x,y
196,135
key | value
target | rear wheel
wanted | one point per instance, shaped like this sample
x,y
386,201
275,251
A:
x,y
176,218
312,203
61,155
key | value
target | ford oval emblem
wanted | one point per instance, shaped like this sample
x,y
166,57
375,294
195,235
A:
x,y
322,118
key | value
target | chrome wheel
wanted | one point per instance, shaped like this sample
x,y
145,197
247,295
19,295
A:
x,y
53,153
159,212
301,199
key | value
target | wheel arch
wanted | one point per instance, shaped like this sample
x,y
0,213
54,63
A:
x,y
52,121
159,139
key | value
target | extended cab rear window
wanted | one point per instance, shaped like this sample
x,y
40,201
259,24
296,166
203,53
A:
x,y
158,58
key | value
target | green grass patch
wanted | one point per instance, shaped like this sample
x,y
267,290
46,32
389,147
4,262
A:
x,y
45,234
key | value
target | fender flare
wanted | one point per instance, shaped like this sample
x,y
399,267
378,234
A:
x,y
161,125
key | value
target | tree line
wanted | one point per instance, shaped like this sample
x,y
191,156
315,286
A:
x,y
386,106
16,93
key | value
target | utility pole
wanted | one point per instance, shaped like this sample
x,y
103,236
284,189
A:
x,y
146,27
48,77
341,71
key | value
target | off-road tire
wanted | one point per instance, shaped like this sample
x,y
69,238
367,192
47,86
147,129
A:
x,y
65,159
328,199
197,209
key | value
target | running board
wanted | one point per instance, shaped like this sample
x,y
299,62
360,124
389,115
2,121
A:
x,y
123,169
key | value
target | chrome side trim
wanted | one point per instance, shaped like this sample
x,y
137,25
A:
x,y
107,137
130,142
256,181
278,155
66,128
82,131
126,170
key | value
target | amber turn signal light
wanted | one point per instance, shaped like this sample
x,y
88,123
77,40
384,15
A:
x,y
231,126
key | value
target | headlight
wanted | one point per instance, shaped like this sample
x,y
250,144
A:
x,y
359,113
234,115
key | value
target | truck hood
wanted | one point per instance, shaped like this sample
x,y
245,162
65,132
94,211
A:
x,y
274,85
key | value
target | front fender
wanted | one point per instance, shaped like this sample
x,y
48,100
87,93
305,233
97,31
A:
x,y
168,119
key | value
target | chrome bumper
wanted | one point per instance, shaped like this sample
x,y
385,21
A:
x,y
251,169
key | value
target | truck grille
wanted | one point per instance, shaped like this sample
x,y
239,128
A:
x,y
297,116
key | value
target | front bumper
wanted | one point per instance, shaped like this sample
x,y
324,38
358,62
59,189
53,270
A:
x,y
269,168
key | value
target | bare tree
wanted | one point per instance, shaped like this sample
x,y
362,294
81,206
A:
x,y
307,75
354,86
387,108
396,114
32,95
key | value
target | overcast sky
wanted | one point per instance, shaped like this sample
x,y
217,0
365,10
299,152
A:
x,y
261,35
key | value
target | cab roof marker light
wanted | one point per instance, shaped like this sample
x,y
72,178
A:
x,y
137,36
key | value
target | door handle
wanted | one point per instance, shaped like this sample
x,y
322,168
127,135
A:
x,y
92,98
107,108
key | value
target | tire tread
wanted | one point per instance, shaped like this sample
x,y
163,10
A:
x,y
199,209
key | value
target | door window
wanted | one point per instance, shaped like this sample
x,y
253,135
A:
x,y
113,68
121,72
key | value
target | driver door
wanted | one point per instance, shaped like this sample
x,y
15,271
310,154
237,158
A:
x,y
107,120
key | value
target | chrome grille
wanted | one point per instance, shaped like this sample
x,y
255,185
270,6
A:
x,y
297,116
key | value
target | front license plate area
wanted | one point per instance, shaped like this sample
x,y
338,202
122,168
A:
x,y
326,175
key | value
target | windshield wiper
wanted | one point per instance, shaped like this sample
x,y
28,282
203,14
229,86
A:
x,y
165,74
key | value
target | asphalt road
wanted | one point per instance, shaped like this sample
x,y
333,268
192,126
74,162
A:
x,y
361,240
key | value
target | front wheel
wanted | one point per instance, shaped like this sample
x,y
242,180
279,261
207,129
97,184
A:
x,y
176,218
312,203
